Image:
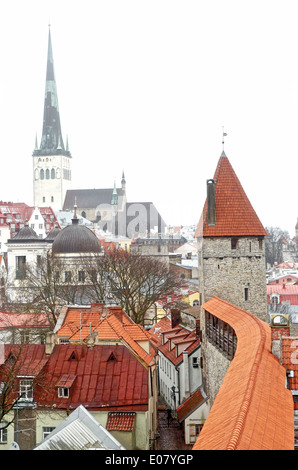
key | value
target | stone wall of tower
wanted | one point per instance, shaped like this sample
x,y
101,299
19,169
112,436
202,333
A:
x,y
237,275
51,191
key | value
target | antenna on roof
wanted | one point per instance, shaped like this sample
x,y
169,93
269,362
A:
x,y
223,138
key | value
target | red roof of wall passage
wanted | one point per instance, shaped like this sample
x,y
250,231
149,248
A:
x,y
252,410
235,215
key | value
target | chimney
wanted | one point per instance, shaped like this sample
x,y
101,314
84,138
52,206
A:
x,y
211,210
51,341
186,375
175,317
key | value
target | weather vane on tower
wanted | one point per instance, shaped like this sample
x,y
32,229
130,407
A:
x,y
224,134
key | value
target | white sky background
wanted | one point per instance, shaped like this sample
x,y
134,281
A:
x,y
146,86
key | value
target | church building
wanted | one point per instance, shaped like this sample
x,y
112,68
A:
x,y
51,158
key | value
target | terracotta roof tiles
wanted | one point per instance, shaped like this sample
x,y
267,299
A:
x,y
118,421
235,215
253,410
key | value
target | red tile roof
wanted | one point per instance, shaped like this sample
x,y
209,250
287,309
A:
x,y
172,342
289,359
23,320
106,377
119,421
235,215
111,323
252,410
191,404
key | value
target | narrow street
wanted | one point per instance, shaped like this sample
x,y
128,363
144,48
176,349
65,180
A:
x,y
171,432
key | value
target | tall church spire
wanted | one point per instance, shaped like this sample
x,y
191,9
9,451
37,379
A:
x,y
51,140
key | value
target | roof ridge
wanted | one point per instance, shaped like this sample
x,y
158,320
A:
x,y
249,391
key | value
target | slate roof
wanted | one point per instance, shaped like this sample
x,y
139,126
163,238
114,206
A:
x,y
89,198
76,238
253,409
235,215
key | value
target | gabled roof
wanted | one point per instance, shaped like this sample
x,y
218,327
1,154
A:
x,y
109,323
191,404
89,198
30,358
171,342
95,381
282,289
80,431
235,215
253,409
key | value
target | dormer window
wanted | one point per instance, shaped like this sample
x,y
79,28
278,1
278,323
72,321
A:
x,y
64,385
63,392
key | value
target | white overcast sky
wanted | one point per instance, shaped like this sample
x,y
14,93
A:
x,y
146,87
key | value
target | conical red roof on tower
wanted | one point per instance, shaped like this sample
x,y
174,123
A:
x,y
235,215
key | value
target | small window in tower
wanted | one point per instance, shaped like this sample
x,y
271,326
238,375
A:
x,y
234,243
42,174
53,174
43,199
47,174
52,198
260,243
246,293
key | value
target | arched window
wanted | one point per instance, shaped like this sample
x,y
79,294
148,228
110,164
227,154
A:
x,y
53,174
42,174
83,214
47,174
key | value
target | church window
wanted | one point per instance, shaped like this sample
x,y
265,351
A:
x,y
67,276
53,174
83,214
42,174
47,174
43,199
81,275
52,198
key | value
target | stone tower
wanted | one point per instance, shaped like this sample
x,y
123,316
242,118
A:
x,y
51,159
231,246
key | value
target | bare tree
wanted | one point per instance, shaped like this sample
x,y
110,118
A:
x,y
136,281
274,244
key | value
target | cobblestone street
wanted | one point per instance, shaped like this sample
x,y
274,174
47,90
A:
x,y
171,433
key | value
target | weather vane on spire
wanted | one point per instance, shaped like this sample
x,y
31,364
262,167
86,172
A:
x,y
224,134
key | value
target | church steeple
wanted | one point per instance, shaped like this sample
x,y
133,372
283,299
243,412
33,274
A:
x,y
51,140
